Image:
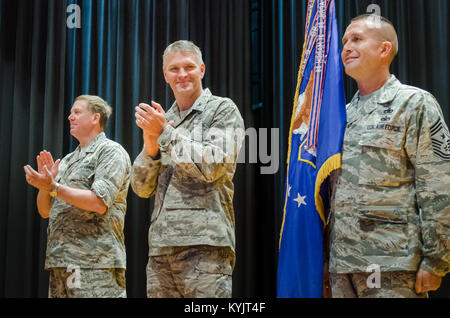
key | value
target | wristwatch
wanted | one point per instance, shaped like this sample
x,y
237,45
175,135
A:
x,y
54,192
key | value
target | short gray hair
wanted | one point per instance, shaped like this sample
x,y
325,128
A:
x,y
389,33
183,46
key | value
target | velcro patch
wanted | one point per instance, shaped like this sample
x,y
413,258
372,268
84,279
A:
x,y
440,139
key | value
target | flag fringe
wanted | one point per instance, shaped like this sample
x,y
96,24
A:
x,y
294,108
333,163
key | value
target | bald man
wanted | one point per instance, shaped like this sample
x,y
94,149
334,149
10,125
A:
x,y
391,211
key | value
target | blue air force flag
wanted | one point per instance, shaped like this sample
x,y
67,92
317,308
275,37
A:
x,y
315,141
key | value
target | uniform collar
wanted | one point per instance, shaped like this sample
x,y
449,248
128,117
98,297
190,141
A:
x,y
199,105
386,93
202,100
91,147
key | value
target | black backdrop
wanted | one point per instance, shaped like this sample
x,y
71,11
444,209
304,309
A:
x,y
117,54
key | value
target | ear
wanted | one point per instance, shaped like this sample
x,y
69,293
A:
x,y
203,69
386,49
165,75
96,118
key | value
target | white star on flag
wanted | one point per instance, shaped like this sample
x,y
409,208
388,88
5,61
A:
x,y
300,200
289,190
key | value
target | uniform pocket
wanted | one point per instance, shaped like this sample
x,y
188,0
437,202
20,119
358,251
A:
x,y
81,183
384,231
82,177
382,162
445,239
186,221
214,260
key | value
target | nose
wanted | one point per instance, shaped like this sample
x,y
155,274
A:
x,y
70,117
182,72
345,48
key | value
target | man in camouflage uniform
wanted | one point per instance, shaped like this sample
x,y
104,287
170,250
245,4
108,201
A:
x,y
84,194
188,162
390,236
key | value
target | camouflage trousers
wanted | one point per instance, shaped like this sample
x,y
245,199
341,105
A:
x,y
362,285
87,283
193,271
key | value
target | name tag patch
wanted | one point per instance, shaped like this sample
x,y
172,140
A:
x,y
384,127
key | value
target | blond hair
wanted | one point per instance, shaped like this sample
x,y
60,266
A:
x,y
97,105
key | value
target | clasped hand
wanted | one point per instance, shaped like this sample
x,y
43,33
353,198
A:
x,y
43,179
426,281
151,120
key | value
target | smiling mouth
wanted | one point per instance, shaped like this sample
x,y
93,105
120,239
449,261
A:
x,y
183,84
349,59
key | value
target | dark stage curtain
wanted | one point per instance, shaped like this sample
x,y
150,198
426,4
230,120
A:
x,y
423,61
116,54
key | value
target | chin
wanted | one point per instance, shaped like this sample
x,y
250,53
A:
x,y
73,133
350,71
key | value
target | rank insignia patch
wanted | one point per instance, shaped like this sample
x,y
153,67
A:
x,y
440,138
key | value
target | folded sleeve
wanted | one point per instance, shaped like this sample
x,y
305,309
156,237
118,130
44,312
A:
x,y
112,173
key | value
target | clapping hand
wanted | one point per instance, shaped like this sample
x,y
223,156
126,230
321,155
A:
x,y
45,159
426,281
43,179
151,120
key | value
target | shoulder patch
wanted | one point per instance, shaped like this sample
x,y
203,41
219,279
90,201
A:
x,y
440,139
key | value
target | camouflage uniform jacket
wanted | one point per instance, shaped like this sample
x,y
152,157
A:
x,y
192,177
84,238
395,161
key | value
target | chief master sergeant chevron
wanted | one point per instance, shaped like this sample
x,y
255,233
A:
x,y
395,163
188,162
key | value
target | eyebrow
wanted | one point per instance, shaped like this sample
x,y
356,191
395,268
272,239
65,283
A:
x,y
352,34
